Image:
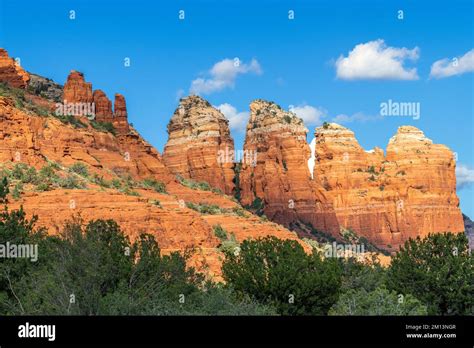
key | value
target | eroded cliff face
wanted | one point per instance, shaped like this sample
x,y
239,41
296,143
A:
x,y
103,107
77,90
280,181
199,144
33,140
407,193
12,73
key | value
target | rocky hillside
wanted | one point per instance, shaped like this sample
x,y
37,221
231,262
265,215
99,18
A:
x,y
62,166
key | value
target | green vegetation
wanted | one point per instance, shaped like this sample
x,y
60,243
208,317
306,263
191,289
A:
x,y
377,302
279,273
80,169
154,184
236,180
212,209
349,236
72,120
325,125
438,270
93,269
17,191
219,232
21,102
230,245
106,127
4,190
71,182
195,185
239,211
204,208
257,206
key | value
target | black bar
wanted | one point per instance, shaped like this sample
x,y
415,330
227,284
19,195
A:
x,y
140,330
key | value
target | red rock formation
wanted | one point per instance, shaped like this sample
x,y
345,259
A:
x,y
76,90
410,192
103,107
12,73
280,178
120,121
35,139
199,144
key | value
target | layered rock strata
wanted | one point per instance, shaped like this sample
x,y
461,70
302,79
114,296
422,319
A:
x,y
280,181
387,199
199,144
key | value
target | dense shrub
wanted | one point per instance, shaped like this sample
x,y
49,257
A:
x,y
280,273
437,270
80,169
377,302
155,185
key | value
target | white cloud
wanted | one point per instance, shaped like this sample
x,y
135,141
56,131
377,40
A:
x,y
223,74
237,120
376,60
446,67
464,176
311,115
179,93
357,117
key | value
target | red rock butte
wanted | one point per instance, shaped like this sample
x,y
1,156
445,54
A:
x,y
387,199
198,136
331,185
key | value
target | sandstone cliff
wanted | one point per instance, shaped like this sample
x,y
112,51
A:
x,y
77,90
12,73
115,183
280,181
103,107
387,199
199,144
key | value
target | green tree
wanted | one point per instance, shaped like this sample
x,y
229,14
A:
x,y
280,273
438,270
4,190
377,302
358,275
15,229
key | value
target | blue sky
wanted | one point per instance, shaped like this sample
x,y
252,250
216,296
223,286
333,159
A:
x,y
295,62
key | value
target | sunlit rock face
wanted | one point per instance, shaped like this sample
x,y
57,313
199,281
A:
x,y
280,180
409,192
199,144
